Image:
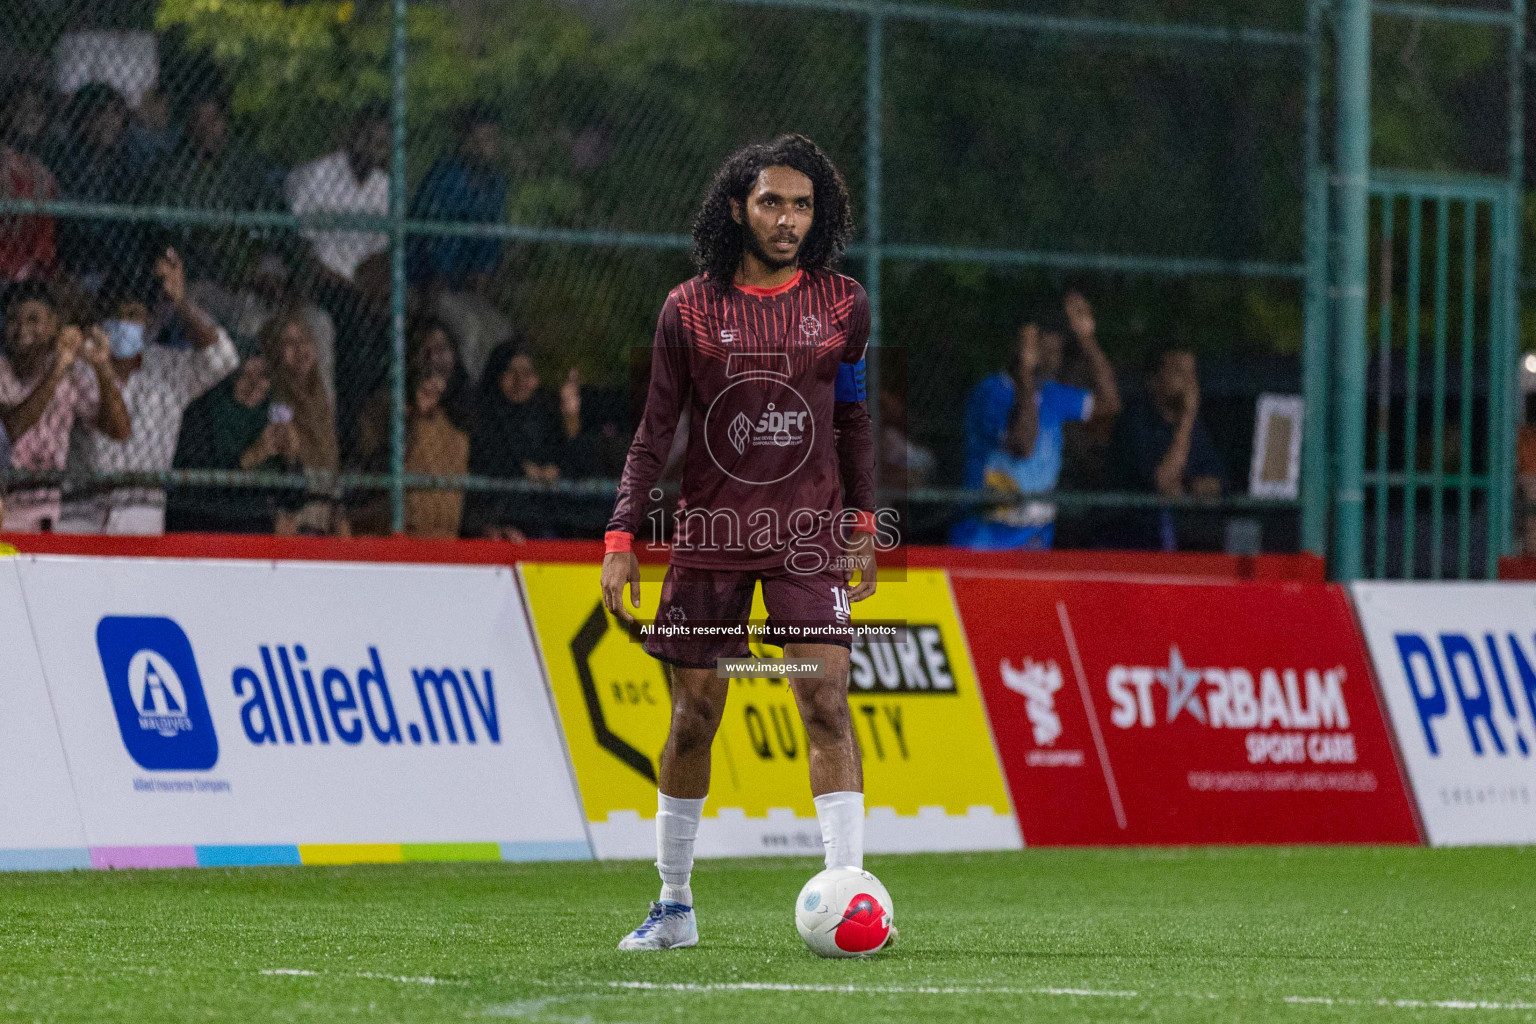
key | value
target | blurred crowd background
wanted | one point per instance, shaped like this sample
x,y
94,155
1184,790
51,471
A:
x,y
1127,204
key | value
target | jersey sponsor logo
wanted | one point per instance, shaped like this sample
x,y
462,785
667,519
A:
x,y
739,425
776,427
162,712
729,335
810,327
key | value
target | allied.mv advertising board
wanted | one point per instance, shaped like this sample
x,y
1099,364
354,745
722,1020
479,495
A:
x,y
39,819
238,712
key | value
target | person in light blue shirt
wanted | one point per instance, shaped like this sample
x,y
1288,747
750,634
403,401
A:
x,y
1014,424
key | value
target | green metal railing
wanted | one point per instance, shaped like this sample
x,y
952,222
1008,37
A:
x,y
1490,283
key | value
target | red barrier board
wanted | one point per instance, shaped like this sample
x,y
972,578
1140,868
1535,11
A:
x,y
1183,713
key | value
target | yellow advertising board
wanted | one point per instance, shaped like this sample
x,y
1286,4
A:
x,y
932,780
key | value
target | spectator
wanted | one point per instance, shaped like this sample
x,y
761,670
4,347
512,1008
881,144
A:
x,y
210,171
429,353
1013,431
1161,446
364,352
903,463
158,383
351,180
470,185
436,443
265,289
519,433
307,438
152,132
96,164
229,428
27,244
50,377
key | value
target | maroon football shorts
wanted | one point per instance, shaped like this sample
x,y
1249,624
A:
x,y
801,609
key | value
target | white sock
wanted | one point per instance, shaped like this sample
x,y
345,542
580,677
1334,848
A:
x,y
842,828
677,826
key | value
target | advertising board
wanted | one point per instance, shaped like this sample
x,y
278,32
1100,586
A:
x,y
39,819
1183,713
259,712
931,777
1457,665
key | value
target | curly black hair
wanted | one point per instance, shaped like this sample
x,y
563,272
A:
x,y
717,238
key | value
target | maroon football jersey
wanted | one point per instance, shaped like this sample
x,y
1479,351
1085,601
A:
x,y
771,448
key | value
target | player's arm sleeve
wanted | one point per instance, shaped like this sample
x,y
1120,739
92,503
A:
x,y
851,427
653,440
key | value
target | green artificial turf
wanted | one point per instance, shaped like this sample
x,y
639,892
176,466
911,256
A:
x,y
1043,935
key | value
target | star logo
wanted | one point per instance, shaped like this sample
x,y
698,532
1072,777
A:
x,y
1180,682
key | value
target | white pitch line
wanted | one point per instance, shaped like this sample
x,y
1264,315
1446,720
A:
x,y
1412,1004
289,972
929,990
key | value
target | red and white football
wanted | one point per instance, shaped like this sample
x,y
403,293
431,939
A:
x,y
844,912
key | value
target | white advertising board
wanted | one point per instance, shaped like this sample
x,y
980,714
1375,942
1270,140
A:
x,y
1457,663
39,819
254,705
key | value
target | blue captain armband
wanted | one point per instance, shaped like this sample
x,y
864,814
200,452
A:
x,y
849,386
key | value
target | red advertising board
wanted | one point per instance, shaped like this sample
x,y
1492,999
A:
x,y
1183,713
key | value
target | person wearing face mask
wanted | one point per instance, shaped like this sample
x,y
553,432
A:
x,y
52,375
158,383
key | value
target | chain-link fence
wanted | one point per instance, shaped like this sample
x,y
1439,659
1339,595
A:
x,y
370,266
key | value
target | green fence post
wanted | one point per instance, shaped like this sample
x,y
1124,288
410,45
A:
x,y
1314,355
1353,146
397,276
874,141
1506,404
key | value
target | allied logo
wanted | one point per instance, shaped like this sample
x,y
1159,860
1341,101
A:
x,y
812,900
729,335
152,677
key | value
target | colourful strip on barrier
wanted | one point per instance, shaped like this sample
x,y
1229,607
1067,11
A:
x,y
65,858
351,853
425,852
246,856
280,855
557,850
143,857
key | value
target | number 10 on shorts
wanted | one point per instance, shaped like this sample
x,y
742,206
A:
x,y
841,605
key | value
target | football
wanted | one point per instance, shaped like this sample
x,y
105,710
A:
x,y
844,912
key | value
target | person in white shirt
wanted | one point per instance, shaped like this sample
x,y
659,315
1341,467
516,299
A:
x,y
53,375
157,383
351,180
